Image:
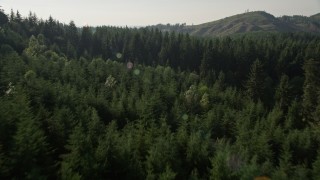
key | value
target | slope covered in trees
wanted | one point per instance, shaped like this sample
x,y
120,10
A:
x,y
256,21
120,103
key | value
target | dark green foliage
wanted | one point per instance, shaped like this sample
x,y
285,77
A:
x,y
283,91
311,88
255,83
3,18
315,168
71,107
28,153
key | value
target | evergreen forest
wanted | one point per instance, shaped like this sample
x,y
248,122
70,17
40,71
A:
x,y
138,103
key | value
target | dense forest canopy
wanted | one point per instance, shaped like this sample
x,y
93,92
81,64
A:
x,y
129,103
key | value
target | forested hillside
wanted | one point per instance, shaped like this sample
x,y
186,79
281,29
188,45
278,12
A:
x,y
256,21
124,103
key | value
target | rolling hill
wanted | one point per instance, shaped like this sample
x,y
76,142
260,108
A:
x,y
258,21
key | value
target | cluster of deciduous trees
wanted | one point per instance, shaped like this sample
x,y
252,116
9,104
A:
x,y
121,103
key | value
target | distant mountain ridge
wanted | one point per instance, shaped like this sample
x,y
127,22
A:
x,y
257,21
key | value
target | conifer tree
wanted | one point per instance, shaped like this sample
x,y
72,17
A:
x,y
283,93
311,88
3,18
255,82
30,151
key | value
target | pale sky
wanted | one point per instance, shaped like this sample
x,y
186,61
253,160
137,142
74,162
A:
x,y
151,12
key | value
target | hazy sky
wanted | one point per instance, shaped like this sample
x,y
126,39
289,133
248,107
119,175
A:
x,y
149,12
